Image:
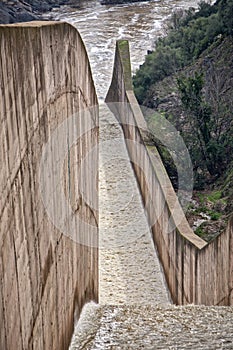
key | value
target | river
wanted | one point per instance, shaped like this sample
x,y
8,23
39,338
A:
x,y
100,26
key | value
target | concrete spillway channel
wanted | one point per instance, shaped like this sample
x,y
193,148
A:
x,y
130,272
134,310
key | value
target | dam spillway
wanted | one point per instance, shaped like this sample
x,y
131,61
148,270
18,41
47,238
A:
x,y
46,276
129,269
128,317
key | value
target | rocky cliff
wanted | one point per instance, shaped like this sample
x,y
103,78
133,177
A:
x,y
12,11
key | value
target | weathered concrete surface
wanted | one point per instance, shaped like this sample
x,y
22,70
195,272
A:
x,y
196,272
154,327
45,276
129,270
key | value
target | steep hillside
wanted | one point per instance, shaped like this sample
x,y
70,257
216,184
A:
x,y
189,79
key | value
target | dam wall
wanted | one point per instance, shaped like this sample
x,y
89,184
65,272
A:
x,y
196,272
48,241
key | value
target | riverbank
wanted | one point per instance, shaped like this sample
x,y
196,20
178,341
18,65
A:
x,y
12,11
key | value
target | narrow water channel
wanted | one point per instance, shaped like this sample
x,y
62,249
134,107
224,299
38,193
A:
x,y
130,273
129,270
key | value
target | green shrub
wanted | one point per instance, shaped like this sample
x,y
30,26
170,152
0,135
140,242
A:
x,y
215,215
188,37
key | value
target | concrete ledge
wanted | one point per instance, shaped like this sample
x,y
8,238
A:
x,y
32,24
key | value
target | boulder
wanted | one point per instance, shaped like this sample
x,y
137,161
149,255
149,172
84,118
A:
x,y
12,11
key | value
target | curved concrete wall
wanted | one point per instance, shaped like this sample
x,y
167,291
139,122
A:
x,y
45,275
196,272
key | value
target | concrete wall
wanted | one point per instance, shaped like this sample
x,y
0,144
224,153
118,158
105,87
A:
x,y
45,276
196,272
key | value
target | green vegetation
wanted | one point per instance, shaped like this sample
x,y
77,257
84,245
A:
x,y
188,79
214,196
200,232
209,209
190,34
123,47
209,144
207,119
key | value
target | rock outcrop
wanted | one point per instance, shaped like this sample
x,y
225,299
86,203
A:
x,y
15,11
12,11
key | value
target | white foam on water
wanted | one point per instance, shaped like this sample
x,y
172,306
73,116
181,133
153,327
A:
x,y
86,327
121,33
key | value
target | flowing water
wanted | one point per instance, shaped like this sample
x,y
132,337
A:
x,y
100,26
130,274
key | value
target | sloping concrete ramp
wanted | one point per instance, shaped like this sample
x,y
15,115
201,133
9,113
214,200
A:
x,y
129,269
